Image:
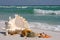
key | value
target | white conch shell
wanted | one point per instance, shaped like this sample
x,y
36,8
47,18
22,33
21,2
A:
x,y
18,23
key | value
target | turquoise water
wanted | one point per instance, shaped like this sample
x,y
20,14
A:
x,y
43,14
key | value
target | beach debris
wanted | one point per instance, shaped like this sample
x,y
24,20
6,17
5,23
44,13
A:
x,y
27,33
43,35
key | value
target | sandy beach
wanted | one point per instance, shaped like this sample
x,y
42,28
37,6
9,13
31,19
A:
x,y
54,35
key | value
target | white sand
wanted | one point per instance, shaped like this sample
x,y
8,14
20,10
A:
x,y
55,35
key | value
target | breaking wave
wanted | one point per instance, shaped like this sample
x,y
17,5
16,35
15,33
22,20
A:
x,y
44,26
38,25
13,6
46,12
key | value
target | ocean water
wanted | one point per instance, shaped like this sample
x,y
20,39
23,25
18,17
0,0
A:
x,y
44,17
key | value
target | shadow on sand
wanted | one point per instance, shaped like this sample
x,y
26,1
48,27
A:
x,y
2,33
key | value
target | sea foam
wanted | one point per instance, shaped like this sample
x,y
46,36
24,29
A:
x,y
49,12
44,26
38,25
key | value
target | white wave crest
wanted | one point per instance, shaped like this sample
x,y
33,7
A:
x,y
13,6
44,26
22,7
44,12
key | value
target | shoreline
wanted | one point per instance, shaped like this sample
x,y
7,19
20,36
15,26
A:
x,y
54,36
